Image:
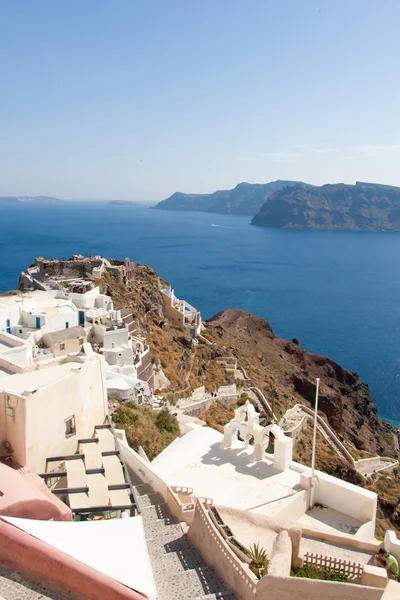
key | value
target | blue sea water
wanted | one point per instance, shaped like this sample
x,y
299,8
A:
x,y
338,292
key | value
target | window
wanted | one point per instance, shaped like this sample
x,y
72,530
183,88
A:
x,y
62,346
20,330
66,324
80,341
70,426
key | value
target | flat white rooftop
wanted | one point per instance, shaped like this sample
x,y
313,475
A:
x,y
21,382
227,476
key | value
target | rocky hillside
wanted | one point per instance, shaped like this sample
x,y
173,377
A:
x,y
244,199
286,373
338,206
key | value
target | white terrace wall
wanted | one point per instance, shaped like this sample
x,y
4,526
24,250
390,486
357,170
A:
x,y
236,574
15,350
392,544
272,587
142,467
294,508
346,497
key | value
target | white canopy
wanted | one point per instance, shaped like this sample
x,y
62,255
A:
x,y
115,547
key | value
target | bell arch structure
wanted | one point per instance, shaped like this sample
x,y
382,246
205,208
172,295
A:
x,y
246,424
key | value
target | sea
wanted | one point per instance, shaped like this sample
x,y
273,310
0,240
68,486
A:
x,y
337,292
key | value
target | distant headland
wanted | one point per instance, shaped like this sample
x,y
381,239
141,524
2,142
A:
x,y
291,204
29,200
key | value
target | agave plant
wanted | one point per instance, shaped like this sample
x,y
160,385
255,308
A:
x,y
259,560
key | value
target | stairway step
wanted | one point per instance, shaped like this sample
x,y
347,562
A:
x,y
189,585
142,489
156,513
158,547
186,559
223,595
161,532
152,499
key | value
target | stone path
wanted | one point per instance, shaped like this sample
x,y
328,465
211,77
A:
x,y
178,567
14,586
295,415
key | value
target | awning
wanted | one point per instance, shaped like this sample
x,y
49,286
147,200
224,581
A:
x,y
115,547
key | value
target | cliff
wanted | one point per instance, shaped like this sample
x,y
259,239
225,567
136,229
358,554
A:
x,y
286,373
244,199
338,206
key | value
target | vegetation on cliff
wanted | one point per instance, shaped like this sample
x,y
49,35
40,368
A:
x,y
338,206
244,199
281,369
150,429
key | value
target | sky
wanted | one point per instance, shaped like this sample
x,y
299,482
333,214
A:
x,y
137,99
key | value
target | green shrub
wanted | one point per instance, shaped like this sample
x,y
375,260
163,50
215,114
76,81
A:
x,y
313,572
166,421
259,561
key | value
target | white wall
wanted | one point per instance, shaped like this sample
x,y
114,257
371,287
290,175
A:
x,y
85,300
52,321
142,468
121,357
81,392
392,544
118,337
19,353
346,497
10,311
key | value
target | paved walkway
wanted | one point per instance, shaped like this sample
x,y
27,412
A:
x,y
14,586
294,415
178,567
335,551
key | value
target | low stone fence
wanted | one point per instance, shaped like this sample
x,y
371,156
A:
x,y
297,429
264,402
352,569
182,503
273,587
382,463
206,537
200,400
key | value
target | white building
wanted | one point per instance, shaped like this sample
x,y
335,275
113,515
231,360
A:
x,y
44,410
180,313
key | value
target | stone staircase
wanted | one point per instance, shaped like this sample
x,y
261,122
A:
x,y
178,567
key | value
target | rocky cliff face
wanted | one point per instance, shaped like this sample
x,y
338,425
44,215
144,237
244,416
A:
x,y
286,373
339,206
244,199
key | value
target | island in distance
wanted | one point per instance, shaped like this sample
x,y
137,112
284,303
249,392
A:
x,y
29,199
123,202
291,204
244,199
369,206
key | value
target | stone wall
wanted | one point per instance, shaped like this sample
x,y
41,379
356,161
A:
x,y
64,269
78,268
145,370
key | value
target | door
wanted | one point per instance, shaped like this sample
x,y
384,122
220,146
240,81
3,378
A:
x,y
37,322
8,326
81,317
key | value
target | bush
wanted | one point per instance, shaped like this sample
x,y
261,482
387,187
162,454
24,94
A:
x,y
313,572
166,421
142,429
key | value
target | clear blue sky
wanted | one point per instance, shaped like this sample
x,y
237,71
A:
x,y
137,99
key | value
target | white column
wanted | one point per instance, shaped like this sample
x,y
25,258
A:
x,y
314,444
